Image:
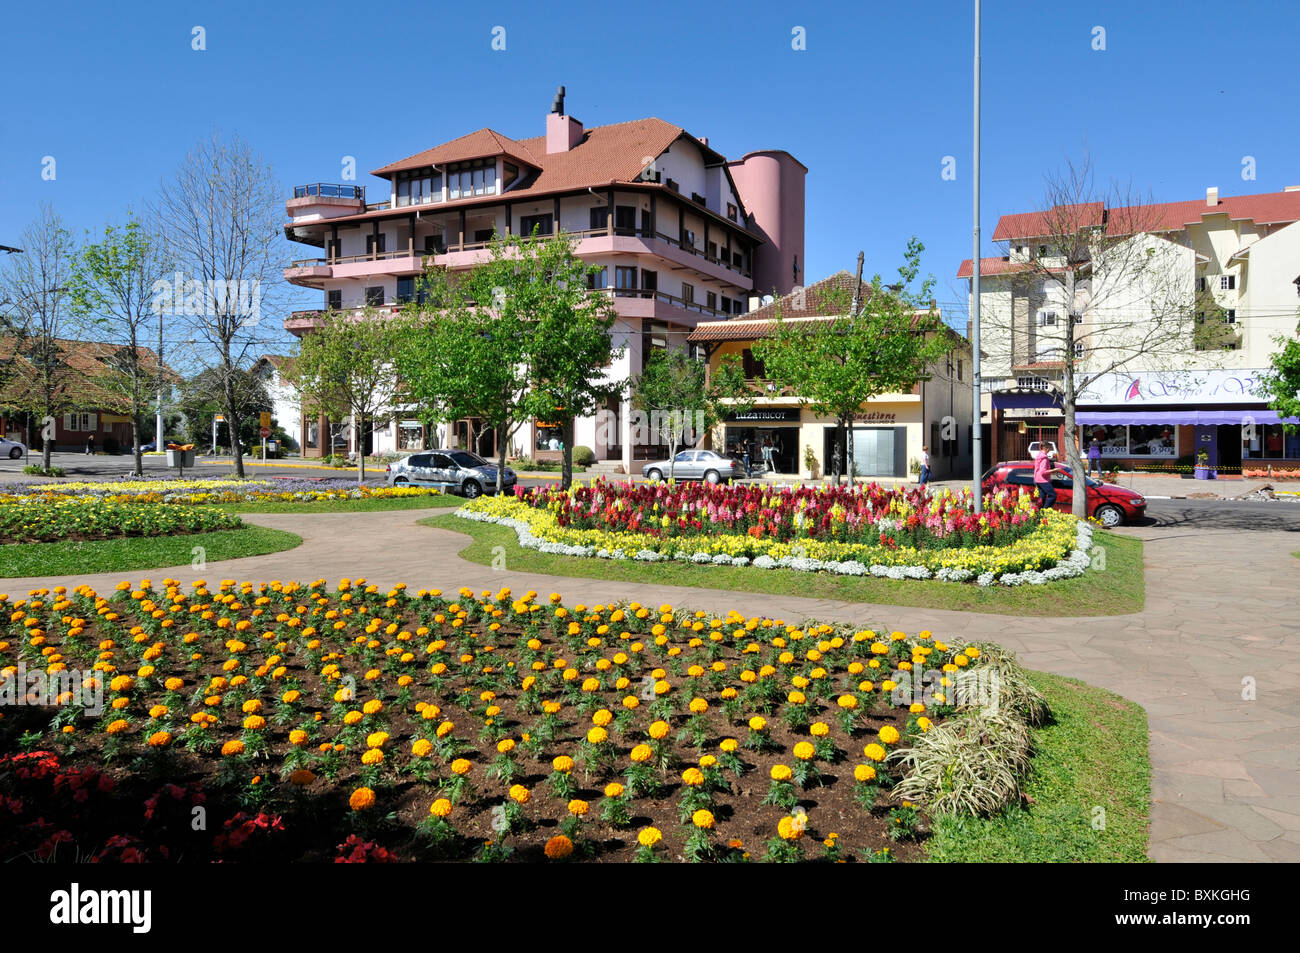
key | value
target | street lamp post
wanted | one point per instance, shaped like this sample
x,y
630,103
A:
x,y
977,437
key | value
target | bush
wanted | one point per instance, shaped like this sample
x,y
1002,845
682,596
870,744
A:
x,y
35,469
583,456
49,518
972,764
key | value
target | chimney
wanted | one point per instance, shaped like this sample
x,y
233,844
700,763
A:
x,y
704,140
1292,188
1212,196
562,132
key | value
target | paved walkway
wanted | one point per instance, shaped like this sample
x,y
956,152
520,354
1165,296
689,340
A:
x,y
1221,613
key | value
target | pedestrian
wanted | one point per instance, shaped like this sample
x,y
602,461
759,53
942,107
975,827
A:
x,y
1094,458
1043,470
767,454
745,457
925,465
90,445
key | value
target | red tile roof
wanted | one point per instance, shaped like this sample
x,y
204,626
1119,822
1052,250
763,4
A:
x,y
994,266
479,144
1038,224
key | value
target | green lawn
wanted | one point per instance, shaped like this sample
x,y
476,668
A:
x,y
345,506
1093,755
1117,590
148,552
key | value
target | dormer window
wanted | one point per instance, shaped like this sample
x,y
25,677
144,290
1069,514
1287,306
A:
x,y
733,213
418,187
469,179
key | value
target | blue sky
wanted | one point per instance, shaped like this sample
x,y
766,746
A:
x,y
882,93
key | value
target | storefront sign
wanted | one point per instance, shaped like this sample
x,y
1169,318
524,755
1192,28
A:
x,y
765,415
1174,387
876,417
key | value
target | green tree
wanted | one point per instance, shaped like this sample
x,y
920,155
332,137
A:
x,y
347,366
204,396
682,399
888,346
466,347
570,347
1280,386
112,289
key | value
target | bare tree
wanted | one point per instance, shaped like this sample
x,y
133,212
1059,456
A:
x,y
221,226
35,295
1094,283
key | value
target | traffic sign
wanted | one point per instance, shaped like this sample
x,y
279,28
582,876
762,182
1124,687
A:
x,y
264,420
265,432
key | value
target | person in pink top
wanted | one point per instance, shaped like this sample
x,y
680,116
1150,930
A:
x,y
1043,470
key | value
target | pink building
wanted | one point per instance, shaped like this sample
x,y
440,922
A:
x,y
682,235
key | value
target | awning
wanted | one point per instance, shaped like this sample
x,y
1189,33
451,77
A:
x,y
1259,417
1016,400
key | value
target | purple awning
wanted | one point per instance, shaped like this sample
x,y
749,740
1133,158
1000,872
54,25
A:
x,y
1028,399
1259,417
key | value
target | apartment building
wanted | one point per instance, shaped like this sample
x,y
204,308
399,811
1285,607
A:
x,y
1230,265
889,431
680,232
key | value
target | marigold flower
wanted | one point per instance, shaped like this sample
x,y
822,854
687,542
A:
x,y
613,789
362,799
233,747
506,745
578,807
693,776
729,744
160,739
757,723
649,836
440,807
699,706
641,753
562,763
788,829
422,747
864,773
888,734
781,772
297,736
597,735
819,729
658,730
519,794
558,847
874,751
804,751
703,819
460,766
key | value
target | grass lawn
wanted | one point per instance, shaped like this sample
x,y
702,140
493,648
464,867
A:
x,y
345,506
139,552
1118,590
1093,754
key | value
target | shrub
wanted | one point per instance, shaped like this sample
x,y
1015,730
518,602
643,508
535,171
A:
x,y
971,764
584,456
35,469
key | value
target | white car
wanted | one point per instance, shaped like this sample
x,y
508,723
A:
x,y
12,449
1048,445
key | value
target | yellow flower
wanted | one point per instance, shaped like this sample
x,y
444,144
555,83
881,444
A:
x,y
874,751
699,706
789,829
757,723
597,735
658,730
888,734
562,763
440,807
819,729
781,772
613,789
693,776
160,739
519,794
864,773
506,745
703,819
649,836
804,751
641,753
728,744
231,748
460,766
578,807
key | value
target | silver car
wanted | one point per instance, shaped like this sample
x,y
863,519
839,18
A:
x,y
458,471
11,448
704,465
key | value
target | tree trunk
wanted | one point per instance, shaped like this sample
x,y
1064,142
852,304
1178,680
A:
x,y
566,469
135,445
360,430
45,444
501,461
848,449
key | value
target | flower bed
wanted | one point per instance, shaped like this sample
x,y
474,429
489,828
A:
x,y
43,519
355,723
897,534
201,492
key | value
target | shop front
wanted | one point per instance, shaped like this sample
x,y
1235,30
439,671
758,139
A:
x,y
767,433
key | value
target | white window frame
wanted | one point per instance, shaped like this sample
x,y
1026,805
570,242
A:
x,y
1043,321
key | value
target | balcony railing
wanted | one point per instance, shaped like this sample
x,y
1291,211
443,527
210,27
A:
x,y
330,190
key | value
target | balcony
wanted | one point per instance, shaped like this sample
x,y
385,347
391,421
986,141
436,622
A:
x,y
330,190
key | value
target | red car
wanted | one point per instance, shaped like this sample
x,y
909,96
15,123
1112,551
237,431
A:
x,y
1112,505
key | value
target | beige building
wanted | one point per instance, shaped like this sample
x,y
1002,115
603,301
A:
x,y
890,430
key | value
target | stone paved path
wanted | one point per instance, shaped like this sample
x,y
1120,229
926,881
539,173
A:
x,y
1221,610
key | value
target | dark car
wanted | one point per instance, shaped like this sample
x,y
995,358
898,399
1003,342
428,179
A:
x,y
456,470
1110,504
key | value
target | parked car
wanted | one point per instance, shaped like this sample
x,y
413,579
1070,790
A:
x,y
456,470
12,448
1048,445
1112,505
704,465
149,447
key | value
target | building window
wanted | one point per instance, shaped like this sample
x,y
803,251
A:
x,y
405,289
375,297
688,238
376,244
483,235
543,224
624,279
754,369
334,300
711,300
688,293
600,217
1047,319
732,212
1159,440
1078,349
1227,282
625,220
597,280
1033,383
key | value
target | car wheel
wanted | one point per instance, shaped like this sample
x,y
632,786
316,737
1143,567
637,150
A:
x,y
712,476
400,481
15,453
471,489
654,475
1110,515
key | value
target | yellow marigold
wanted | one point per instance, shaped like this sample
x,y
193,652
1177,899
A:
x,y
699,706
864,773
613,789
874,751
703,819
160,739
658,730
352,717
819,729
708,761
174,684
373,707
649,836
362,799
804,751
641,753
729,744
440,807
373,756
376,739
460,766
558,847
781,772
796,698
291,696
847,702
757,723
693,776
602,717
445,729
788,829
562,763
888,734
519,794
254,723
578,807
597,735
506,745
422,747
301,777
252,706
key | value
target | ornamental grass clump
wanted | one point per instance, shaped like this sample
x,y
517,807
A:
x,y
972,764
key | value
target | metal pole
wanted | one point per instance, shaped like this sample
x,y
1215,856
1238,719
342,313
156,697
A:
x,y
158,421
977,440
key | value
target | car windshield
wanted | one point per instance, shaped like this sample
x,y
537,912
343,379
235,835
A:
x,y
463,458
